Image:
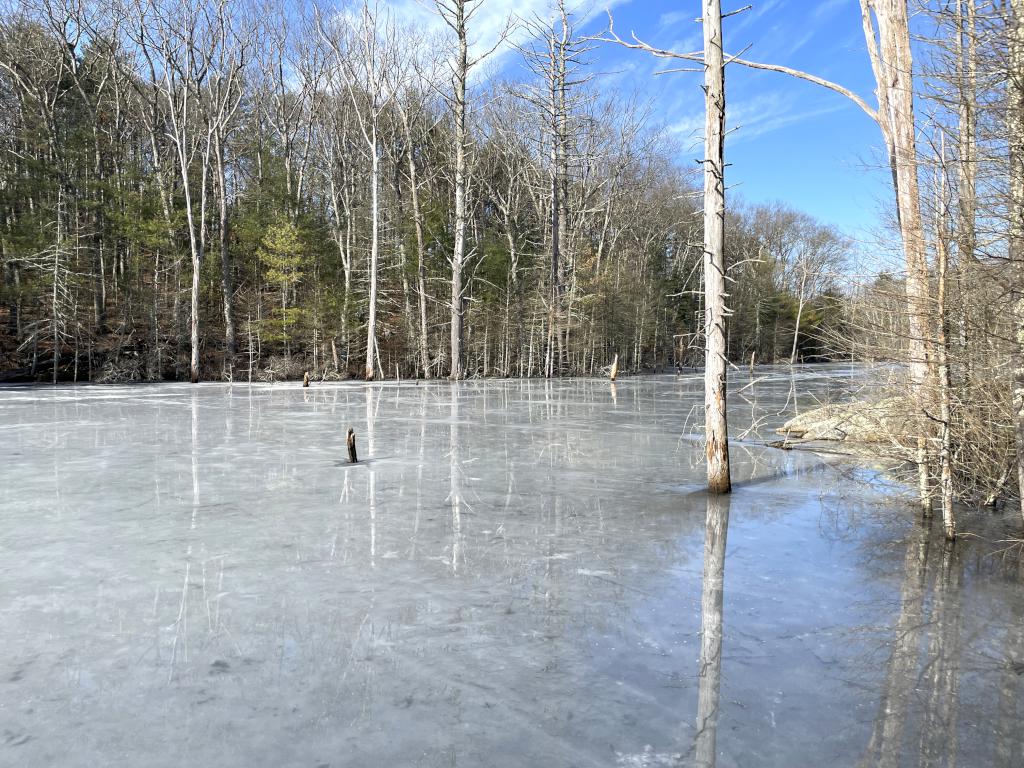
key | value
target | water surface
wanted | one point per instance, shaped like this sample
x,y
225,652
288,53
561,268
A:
x,y
519,573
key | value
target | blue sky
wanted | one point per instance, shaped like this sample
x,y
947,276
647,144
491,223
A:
x,y
790,140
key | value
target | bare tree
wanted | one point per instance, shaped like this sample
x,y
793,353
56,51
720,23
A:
x,y
458,16
509,181
942,239
716,425
364,58
557,58
196,58
817,256
337,167
716,428
220,109
411,108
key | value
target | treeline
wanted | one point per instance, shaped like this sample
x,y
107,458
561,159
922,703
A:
x,y
205,189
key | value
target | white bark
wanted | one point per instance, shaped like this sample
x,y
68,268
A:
x,y
715,420
371,323
892,65
1015,122
456,14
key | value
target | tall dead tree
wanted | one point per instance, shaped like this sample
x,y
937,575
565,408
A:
x,y
942,355
892,64
418,224
716,425
457,14
1015,123
716,431
556,56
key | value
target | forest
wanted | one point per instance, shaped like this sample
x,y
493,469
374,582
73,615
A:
x,y
226,191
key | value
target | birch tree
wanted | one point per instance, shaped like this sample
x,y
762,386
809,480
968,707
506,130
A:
x,y
1015,123
458,16
557,60
364,57
195,55
414,84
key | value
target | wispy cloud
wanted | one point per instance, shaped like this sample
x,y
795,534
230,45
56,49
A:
x,y
755,117
827,9
755,123
676,17
495,18
748,18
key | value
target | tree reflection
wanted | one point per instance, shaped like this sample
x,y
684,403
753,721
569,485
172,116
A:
x,y
942,666
886,741
1009,747
711,602
455,479
923,670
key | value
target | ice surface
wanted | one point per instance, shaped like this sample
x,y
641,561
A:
x,y
193,575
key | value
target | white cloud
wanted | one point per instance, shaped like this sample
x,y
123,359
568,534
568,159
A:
x,y
493,17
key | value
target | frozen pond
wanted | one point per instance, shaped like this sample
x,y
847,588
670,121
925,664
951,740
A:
x,y
518,575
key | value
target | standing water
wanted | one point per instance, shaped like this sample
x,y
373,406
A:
x,y
517,573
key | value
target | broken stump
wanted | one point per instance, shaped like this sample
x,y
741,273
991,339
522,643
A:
x,y
350,441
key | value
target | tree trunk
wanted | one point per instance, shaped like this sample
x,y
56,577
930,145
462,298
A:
x,y
371,324
410,330
942,353
555,290
715,421
230,342
799,314
421,266
459,251
197,261
892,65
894,75
1015,122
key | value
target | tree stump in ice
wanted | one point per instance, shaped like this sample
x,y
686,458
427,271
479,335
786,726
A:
x,y
305,379
351,442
